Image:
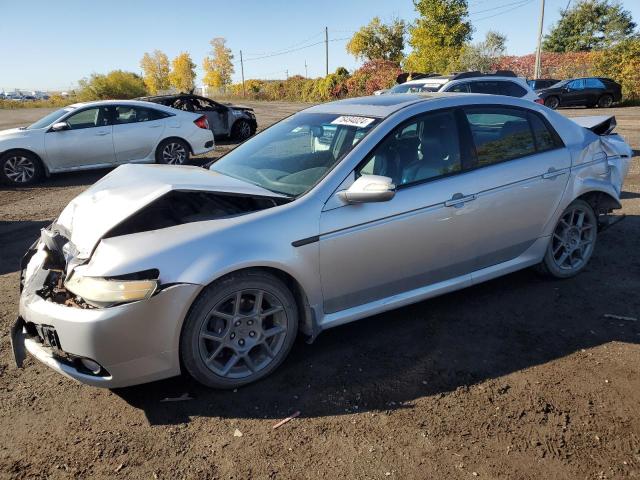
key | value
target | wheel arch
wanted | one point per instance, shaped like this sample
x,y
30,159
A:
x,y
600,201
174,137
307,324
31,152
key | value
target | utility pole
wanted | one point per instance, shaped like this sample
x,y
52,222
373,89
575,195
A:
x,y
538,66
287,74
306,74
326,48
242,72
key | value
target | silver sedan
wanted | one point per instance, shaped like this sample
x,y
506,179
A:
x,y
339,212
101,134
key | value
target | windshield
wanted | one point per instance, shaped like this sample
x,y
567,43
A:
x,y
293,155
49,119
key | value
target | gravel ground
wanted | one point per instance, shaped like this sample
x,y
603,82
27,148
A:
x,y
520,377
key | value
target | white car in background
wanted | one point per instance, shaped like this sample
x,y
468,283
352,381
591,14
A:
x,y
101,134
503,82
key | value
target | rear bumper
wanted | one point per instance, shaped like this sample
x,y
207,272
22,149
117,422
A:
x,y
201,141
134,343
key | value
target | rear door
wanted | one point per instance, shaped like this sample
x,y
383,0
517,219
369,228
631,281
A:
x,y
136,131
521,171
87,141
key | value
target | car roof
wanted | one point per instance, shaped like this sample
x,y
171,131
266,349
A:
x,y
98,103
381,106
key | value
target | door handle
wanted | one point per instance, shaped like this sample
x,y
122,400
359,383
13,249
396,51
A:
x,y
101,134
552,173
457,200
155,126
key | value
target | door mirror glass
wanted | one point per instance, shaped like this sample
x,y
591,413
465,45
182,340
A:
x,y
60,126
369,188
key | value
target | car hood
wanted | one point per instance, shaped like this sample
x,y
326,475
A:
x,y
13,133
128,189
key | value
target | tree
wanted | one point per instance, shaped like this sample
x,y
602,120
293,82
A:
x,y
438,35
483,55
183,73
590,25
379,41
622,63
116,84
218,67
156,71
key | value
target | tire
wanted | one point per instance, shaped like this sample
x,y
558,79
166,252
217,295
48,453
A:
x,y
605,101
173,151
241,130
225,346
20,168
552,102
572,242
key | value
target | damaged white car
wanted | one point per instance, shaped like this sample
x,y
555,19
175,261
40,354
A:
x,y
339,212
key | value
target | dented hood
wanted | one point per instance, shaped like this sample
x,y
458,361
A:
x,y
129,188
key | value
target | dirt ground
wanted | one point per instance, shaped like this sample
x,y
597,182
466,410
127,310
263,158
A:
x,y
519,378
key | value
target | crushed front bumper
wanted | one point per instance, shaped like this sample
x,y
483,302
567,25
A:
x,y
134,343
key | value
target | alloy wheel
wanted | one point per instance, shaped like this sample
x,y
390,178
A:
x,y
174,153
19,169
573,239
243,333
245,130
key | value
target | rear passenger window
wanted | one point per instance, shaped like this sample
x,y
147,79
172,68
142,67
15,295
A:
x,y
594,83
460,88
425,148
545,140
512,89
500,134
492,88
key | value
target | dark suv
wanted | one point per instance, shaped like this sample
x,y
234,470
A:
x,y
589,92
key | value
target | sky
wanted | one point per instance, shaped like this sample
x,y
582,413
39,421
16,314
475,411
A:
x,y
51,45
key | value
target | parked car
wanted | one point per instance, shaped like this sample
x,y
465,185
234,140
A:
x,y
503,82
225,120
101,134
540,83
341,211
589,92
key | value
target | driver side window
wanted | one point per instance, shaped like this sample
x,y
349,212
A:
x,y
576,85
427,147
89,118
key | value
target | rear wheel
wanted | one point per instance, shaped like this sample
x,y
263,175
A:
x,y
20,168
572,242
605,101
172,151
552,102
241,130
239,330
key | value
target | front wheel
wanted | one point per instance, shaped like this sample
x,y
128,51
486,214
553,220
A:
x,y
20,168
241,130
172,151
239,330
572,242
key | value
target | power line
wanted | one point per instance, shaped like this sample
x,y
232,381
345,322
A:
x,y
294,49
525,2
498,7
286,48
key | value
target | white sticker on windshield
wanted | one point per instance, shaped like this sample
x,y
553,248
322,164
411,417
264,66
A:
x,y
352,121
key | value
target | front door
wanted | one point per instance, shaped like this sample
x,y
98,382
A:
x,y
575,93
420,237
87,141
521,172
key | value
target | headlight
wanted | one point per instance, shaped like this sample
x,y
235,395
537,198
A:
x,y
102,292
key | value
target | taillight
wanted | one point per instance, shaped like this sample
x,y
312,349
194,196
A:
x,y
202,122
539,101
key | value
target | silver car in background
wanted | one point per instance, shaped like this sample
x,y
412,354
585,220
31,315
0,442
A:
x,y
339,212
101,134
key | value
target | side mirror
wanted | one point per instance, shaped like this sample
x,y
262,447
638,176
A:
x,y
60,126
565,89
369,188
